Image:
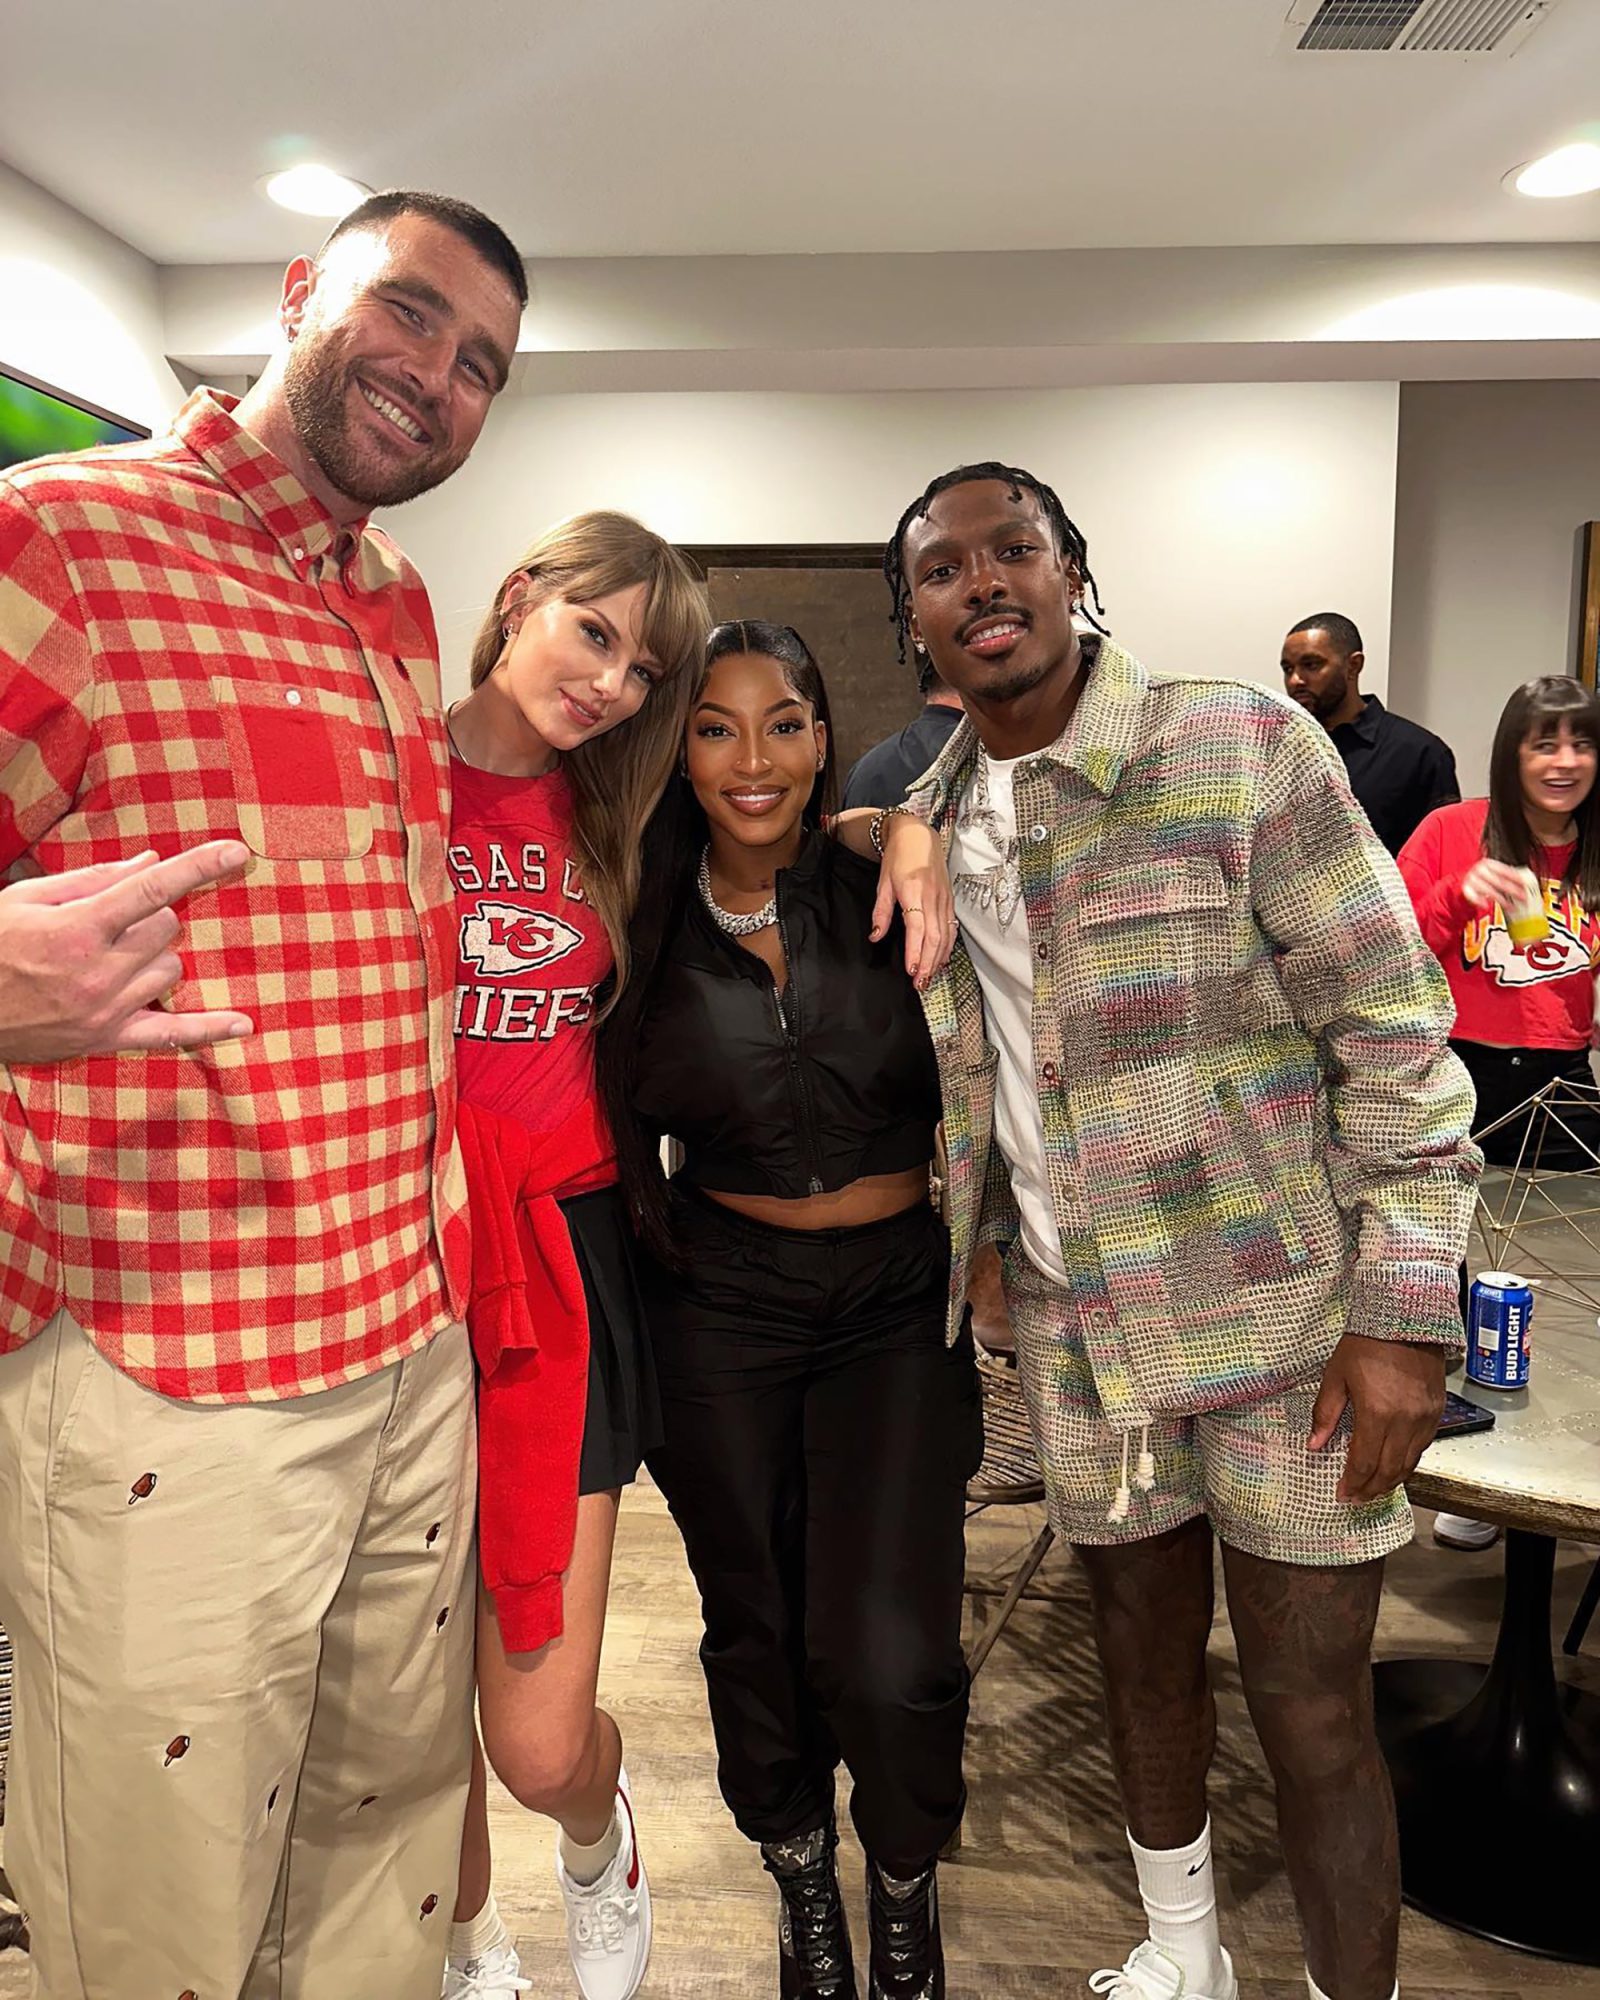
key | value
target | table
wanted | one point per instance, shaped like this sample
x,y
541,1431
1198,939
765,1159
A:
x,y
1497,1773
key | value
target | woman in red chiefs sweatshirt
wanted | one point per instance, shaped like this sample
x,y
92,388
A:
x,y
580,681
1525,1011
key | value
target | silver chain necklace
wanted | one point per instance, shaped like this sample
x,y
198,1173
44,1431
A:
x,y
735,923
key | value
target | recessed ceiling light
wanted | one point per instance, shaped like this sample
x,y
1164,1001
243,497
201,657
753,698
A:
x,y
1569,170
313,190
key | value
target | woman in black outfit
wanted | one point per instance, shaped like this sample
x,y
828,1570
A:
x,y
819,1432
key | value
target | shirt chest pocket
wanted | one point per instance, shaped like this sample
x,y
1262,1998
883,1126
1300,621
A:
x,y
300,783
1154,921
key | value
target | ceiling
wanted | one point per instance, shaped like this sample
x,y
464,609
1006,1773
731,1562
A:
x,y
695,127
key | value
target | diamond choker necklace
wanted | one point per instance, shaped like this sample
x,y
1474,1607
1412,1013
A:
x,y
735,923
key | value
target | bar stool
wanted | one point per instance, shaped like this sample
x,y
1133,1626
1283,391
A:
x,y
1008,1476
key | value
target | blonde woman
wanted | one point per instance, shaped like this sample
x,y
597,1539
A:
x,y
579,686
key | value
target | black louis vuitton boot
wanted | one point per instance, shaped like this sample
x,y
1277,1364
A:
x,y
814,1961
907,1952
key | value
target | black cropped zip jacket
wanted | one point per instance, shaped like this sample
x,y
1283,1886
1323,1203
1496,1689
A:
x,y
799,1093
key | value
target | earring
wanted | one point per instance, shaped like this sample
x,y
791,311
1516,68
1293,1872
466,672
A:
x,y
505,632
922,651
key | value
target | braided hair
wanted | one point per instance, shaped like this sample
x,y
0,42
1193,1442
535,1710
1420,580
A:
x,y
1070,540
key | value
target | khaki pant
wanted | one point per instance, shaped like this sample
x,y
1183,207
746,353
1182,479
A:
x,y
244,1678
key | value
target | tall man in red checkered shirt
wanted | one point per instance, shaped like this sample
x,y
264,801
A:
x,y
236,1449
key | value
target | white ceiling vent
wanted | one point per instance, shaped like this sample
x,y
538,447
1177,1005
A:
x,y
1414,27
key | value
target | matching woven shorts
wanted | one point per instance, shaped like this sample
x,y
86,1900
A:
x,y
1247,1468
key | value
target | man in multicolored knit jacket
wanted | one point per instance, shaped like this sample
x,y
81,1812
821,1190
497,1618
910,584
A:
x,y
1195,1070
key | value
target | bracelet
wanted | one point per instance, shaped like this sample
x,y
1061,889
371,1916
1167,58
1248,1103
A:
x,y
876,824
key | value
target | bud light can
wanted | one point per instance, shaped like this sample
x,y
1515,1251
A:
x,y
1498,1315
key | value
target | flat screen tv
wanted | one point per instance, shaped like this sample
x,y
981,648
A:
x,y
36,419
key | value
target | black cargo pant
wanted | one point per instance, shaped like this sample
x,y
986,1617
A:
x,y
1503,1078
819,1435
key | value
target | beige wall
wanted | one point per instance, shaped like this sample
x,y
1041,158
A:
x,y
1217,512
1495,480
1216,515
79,309
1046,319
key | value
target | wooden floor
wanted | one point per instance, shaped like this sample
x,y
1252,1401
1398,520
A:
x,y
1042,1893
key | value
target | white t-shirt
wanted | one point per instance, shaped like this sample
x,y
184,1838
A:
x,y
994,925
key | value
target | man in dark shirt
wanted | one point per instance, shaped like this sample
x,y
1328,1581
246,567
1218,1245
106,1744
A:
x,y
884,774
1398,770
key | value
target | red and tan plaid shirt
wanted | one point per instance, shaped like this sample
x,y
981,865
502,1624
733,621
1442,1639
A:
x,y
191,648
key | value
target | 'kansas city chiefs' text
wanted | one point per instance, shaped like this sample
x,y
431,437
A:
x,y
505,937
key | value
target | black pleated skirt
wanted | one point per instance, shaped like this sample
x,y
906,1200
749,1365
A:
x,y
623,1420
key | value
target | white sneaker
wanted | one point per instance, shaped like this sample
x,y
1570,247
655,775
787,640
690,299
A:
x,y
495,1976
1460,1531
608,1923
1151,1975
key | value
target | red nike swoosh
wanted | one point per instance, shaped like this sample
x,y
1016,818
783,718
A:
x,y
633,1835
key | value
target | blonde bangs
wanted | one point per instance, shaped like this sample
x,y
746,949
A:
x,y
677,617
617,781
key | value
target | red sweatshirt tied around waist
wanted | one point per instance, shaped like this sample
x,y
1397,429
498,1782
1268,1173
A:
x,y
529,1324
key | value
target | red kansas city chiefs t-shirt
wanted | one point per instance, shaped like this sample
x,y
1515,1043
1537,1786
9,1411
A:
x,y
530,950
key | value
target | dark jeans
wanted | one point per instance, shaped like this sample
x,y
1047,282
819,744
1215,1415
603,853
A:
x,y
1503,1078
819,1437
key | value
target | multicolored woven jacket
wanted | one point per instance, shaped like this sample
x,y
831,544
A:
x,y
1256,1135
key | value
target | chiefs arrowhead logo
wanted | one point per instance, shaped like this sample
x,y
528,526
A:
x,y
1554,957
504,938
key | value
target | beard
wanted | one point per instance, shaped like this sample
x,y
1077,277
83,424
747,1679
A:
x,y
316,386
1011,681
1016,684
1331,699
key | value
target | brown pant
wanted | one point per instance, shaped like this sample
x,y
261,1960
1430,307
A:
x,y
243,1678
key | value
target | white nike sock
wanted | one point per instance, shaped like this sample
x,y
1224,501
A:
x,y
1180,1903
1317,1993
586,1865
479,1935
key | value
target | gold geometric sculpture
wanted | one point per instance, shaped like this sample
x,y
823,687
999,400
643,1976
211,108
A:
x,y
1544,1222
